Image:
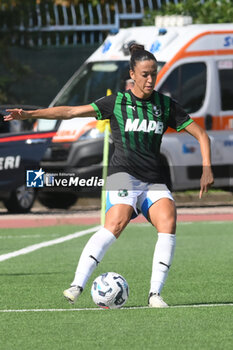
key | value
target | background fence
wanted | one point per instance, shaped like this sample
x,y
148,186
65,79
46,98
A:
x,y
48,24
42,45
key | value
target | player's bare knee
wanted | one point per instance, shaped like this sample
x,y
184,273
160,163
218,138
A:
x,y
116,224
117,219
171,225
168,221
168,224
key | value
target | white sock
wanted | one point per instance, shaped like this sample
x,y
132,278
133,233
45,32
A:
x,y
163,255
91,255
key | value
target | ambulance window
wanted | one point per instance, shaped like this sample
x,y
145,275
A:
x,y
93,81
187,85
225,69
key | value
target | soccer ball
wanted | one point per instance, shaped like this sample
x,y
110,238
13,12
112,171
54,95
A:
x,y
110,290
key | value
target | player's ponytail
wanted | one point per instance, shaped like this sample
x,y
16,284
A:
x,y
138,53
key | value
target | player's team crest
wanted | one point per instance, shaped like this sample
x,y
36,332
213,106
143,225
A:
x,y
122,193
157,111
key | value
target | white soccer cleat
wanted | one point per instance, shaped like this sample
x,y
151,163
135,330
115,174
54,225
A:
x,y
155,300
72,293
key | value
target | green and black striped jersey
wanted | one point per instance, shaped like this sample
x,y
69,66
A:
x,y
137,127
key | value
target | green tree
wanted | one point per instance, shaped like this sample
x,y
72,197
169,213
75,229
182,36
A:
x,y
209,11
11,71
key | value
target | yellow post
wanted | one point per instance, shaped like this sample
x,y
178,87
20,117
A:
x,y
104,126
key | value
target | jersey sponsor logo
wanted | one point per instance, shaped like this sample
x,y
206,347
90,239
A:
x,y
145,126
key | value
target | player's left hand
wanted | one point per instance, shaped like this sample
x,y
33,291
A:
x,y
207,179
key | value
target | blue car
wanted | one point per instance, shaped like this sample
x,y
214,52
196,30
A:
x,y
21,149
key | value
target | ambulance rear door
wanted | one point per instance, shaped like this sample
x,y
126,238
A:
x,y
224,68
192,83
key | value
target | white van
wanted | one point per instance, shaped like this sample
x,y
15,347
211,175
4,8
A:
x,y
195,68
195,64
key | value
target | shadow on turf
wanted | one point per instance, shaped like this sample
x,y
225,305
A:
x,y
203,304
31,273
197,305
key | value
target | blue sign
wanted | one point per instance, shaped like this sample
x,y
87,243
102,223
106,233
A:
x,y
155,47
228,41
106,46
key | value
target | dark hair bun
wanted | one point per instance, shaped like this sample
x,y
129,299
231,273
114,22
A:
x,y
135,47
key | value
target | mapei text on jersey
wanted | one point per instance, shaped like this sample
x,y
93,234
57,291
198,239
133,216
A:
x,y
145,126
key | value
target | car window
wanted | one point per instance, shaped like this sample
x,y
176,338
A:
x,y
187,85
225,71
47,125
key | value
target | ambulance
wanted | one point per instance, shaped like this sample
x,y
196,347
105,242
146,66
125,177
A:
x,y
195,67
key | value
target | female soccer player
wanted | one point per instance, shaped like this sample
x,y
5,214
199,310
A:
x,y
138,118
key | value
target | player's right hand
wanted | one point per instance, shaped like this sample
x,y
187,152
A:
x,y
16,113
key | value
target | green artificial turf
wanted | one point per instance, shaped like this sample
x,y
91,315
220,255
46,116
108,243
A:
x,y
200,275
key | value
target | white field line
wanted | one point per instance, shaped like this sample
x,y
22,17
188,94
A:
x,y
26,236
123,308
37,246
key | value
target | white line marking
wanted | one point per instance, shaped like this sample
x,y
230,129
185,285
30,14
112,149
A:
x,y
123,308
37,246
27,236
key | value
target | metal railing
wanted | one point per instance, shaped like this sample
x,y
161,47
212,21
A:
x,y
60,25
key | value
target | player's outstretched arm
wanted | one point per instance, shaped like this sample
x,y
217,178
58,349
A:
x,y
61,112
207,178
